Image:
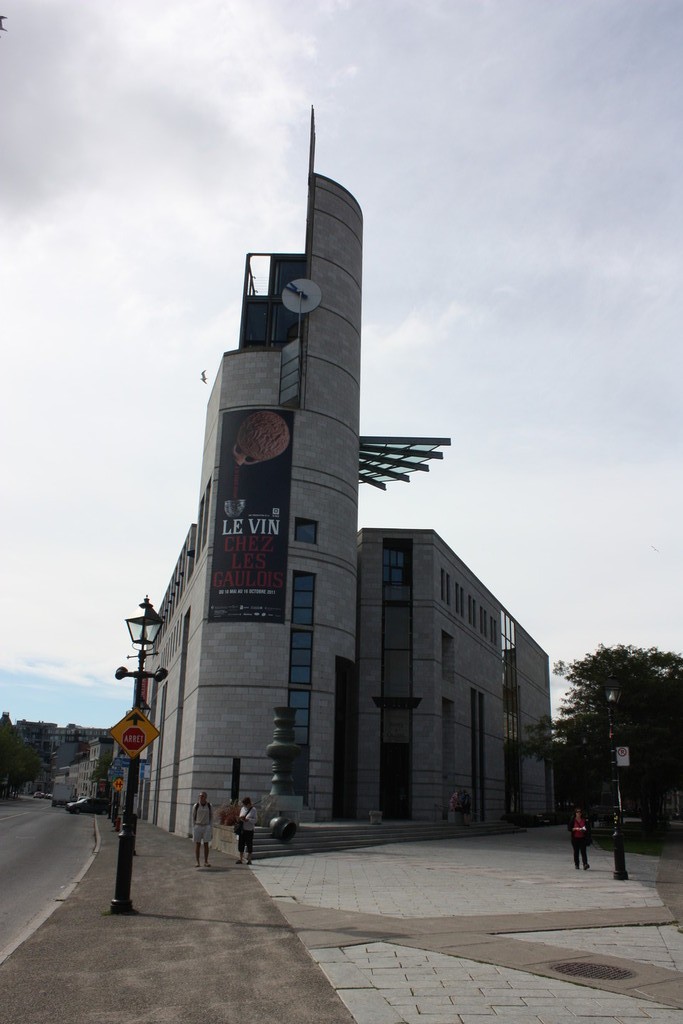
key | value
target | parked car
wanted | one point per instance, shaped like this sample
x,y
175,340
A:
x,y
88,805
38,795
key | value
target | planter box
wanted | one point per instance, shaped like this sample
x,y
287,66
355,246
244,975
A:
x,y
224,839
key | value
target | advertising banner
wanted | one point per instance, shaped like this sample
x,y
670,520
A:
x,y
249,568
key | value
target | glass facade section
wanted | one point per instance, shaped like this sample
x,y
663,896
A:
x,y
265,320
301,700
300,657
511,731
397,657
303,592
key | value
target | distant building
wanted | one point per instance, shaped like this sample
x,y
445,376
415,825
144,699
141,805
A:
x,y
407,676
47,738
87,785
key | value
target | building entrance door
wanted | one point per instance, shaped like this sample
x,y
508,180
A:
x,y
395,781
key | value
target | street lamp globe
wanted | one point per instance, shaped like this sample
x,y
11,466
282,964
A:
x,y
144,628
612,690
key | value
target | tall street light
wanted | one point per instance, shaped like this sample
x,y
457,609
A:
x,y
143,631
612,694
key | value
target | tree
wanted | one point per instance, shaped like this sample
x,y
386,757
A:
x,y
19,763
574,751
101,769
648,719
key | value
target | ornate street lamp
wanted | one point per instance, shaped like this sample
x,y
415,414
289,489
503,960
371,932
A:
x,y
612,695
143,631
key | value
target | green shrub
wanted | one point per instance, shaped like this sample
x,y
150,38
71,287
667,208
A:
x,y
228,814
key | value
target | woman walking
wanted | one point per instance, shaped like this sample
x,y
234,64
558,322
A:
x,y
248,818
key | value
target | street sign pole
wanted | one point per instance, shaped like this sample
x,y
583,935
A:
x,y
122,902
133,734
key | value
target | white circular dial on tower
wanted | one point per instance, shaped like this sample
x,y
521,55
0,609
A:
x,y
301,296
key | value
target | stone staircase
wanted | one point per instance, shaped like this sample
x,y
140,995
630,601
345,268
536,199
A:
x,y
335,836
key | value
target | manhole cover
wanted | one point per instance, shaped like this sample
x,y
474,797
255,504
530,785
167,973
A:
x,y
584,970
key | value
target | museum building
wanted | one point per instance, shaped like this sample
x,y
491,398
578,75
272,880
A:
x,y
409,678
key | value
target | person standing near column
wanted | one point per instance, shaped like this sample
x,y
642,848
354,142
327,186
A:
x,y
201,828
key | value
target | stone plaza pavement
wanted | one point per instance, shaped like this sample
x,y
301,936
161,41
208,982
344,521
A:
x,y
504,927
454,931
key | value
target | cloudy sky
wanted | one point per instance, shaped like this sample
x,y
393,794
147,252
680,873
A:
x,y
518,165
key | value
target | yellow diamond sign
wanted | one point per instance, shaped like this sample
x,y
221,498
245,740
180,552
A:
x,y
134,732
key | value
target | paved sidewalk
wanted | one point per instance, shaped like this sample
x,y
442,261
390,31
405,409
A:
x,y
447,932
206,946
454,931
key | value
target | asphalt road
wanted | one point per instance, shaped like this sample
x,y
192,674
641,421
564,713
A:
x,y
42,851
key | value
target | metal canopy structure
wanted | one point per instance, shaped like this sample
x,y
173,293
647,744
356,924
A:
x,y
385,459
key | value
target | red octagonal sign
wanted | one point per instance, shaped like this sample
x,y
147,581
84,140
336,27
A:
x,y
134,738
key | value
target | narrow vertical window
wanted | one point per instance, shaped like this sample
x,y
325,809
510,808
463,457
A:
x,y
303,592
300,657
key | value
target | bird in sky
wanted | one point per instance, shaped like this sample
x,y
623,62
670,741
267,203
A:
x,y
654,548
3,17
204,376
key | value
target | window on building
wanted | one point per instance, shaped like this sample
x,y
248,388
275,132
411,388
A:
x,y
203,518
256,322
397,638
396,566
301,700
306,531
300,657
511,717
397,648
478,753
286,269
397,574
303,592
447,657
265,320
471,610
200,524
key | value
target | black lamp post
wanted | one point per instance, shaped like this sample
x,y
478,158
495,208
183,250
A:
x,y
612,694
143,631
